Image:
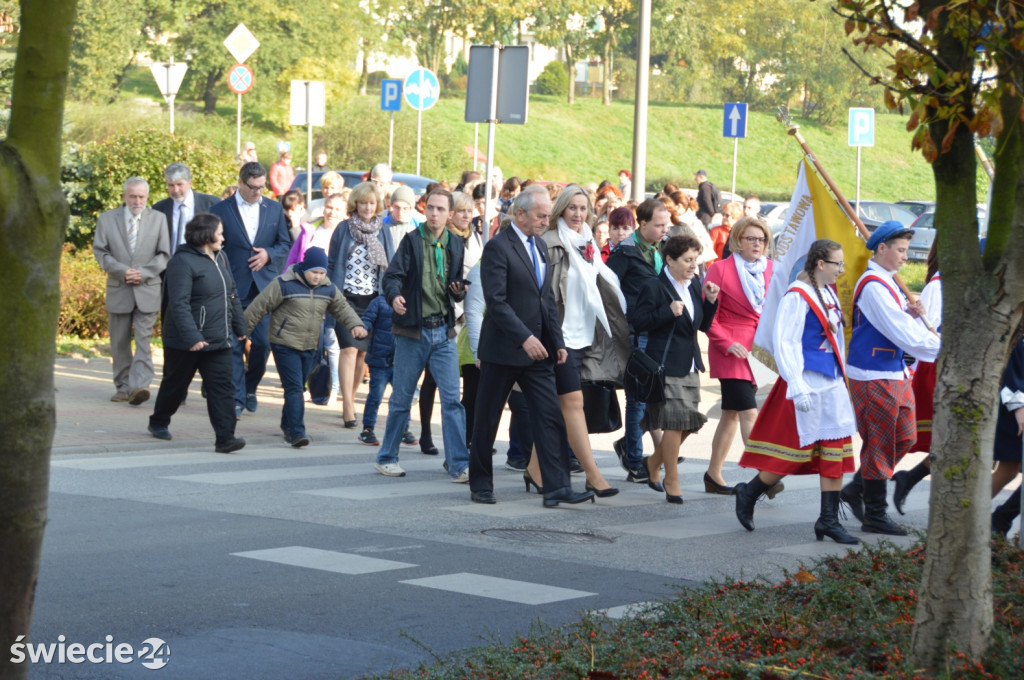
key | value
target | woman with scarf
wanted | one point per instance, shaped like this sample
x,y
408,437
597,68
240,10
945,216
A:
x,y
593,313
743,279
459,224
360,250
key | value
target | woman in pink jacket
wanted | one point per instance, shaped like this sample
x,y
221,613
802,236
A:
x,y
743,278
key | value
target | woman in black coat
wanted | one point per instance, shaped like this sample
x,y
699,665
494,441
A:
x,y
671,309
201,314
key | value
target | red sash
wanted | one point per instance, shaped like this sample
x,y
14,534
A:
x,y
819,313
874,277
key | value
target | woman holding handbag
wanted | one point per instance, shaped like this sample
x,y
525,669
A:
x,y
593,313
671,310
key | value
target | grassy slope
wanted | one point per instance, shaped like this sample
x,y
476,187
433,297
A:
x,y
586,142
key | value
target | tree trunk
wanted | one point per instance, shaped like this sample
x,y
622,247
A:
x,y
210,91
364,75
606,86
572,74
981,300
35,216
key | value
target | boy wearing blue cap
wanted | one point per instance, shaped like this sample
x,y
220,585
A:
x,y
883,400
296,302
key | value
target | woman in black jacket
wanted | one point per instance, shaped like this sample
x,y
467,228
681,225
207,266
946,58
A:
x,y
671,310
202,313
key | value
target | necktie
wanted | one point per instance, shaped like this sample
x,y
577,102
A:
x,y
179,229
536,262
133,232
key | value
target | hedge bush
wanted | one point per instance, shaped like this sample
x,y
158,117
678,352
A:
x,y
93,174
82,295
552,80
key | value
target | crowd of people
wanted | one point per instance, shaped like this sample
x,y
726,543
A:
x,y
529,306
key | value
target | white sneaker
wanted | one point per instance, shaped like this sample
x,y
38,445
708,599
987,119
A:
x,y
395,470
463,477
332,399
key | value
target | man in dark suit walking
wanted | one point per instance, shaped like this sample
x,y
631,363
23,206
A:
x,y
182,203
520,340
256,240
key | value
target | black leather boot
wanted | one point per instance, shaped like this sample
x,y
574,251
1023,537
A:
x,y
876,521
1002,518
747,494
828,521
853,495
905,481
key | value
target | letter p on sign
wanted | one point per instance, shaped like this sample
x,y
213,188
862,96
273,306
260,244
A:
x,y
862,127
391,95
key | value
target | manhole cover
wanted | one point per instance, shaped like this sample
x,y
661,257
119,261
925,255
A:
x,y
544,536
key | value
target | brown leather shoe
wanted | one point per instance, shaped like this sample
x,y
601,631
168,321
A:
x,y
138,396
120,396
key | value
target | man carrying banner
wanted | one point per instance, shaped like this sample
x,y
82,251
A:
x,y
880,388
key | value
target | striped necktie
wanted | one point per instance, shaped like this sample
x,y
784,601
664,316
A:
x,y
133,232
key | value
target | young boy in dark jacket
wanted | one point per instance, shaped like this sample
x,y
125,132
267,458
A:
x,y
296,302
380,358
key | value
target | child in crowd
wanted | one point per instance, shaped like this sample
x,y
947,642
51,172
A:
x,y
296,302
380,359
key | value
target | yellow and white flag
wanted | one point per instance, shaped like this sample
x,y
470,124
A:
x,y
813,214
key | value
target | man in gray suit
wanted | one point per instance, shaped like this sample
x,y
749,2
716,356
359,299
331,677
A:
x,y
182,202
133,247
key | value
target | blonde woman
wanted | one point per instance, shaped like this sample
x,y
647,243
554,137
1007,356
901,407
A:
x,y
360,250
593,313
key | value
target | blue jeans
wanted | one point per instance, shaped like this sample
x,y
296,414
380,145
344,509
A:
x,y
634,414
333,355
293,367
246,381
379,379
435,350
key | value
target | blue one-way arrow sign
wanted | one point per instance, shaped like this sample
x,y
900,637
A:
x,y
735,120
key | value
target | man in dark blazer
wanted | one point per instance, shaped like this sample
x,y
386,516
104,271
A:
x,y
520,341
256,240
182,203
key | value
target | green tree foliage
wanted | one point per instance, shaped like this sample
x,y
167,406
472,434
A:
x,y
552,80
427,23
569,25
93,175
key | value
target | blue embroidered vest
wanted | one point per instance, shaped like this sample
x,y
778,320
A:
x,y
869,349
816,358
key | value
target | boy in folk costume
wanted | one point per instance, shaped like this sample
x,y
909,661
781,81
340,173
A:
x,y
884,328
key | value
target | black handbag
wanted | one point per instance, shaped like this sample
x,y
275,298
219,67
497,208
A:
x,y
319,380
644,379
601,407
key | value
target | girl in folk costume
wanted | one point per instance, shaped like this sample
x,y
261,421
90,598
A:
x,y
923,384
807,424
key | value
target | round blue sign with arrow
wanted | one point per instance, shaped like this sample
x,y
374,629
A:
x,y
422,89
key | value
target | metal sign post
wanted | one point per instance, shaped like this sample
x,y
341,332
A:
x,y
308,107
240,43
422,90
391,100
168,76
734,124
861,134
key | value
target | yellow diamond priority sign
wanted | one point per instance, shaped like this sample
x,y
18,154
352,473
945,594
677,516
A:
x,y
241,43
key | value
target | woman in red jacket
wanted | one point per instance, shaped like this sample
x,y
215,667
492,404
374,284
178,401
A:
x,y
743,278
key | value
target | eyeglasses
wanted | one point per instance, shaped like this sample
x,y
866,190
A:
x,y
841,265
755,239
252,188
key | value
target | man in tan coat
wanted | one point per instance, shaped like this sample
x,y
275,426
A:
x,y
132,246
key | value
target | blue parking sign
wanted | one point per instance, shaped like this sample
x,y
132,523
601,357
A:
x,y
391,95
862,127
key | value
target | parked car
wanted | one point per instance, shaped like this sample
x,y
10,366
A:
x,y
873,213
924,235
417,183
917,207
775,215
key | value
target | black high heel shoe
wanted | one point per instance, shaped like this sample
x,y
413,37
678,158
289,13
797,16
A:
x,y
677,500
529,480
602,493
657,486
711,486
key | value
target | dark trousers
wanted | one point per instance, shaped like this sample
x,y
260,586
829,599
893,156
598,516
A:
x,y
180,367
520,438
470,383
247,378
293,366
546,425
428,389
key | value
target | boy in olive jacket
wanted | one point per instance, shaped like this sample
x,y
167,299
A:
x,y
296,302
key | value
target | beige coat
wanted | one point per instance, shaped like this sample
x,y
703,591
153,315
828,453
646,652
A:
x,y
606,358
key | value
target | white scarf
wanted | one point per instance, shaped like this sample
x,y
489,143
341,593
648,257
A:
x,y
583,304
752,279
